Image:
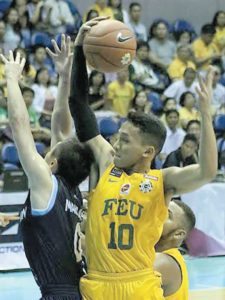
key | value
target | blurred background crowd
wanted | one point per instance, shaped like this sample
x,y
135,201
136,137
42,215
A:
x,y
162,79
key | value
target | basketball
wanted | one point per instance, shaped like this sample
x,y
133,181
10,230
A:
x,y
110,46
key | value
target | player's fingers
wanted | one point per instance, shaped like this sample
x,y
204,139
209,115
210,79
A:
x,y
68,45
11,58
101,18
63,42
210,75
23,61
17,60
50,53
12,218
55,46
4,59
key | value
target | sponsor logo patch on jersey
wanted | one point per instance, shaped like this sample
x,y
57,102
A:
x,y
145,186
125,189
151,177
116,172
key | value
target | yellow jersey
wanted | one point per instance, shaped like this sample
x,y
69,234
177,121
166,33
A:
x,y
177,67
125,220
182,292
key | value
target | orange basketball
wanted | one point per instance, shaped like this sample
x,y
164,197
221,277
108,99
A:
x,y
110,46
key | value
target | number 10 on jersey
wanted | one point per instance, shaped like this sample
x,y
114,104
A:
x,y
120,243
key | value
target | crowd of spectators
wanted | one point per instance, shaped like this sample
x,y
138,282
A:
x,y
162,79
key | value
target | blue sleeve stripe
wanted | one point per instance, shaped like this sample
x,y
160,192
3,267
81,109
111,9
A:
x,y
51,202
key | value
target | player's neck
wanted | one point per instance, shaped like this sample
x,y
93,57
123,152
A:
x,y
161,247
141,167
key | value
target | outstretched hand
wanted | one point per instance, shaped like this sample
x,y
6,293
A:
x,y
13,66
205,92
5,219
62,57
85,28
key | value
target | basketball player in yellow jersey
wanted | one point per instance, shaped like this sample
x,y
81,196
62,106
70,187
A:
x,y
127,207
169,260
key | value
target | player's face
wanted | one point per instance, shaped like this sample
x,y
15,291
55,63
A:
x,y
129,148
51,159
173,223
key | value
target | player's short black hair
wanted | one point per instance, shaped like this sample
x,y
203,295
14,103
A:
x,y
151,127
190,137
134,4
74,161
27,89
190,220
141,44
193,122
208,29
172,111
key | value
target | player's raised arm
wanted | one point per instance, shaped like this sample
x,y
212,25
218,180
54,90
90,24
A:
x,y
36,169
61,122
5,219
83,116
186,179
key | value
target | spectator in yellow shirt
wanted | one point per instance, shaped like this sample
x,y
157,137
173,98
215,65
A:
x,y
181,63
219,24
188,111
120,94
102,9
205,50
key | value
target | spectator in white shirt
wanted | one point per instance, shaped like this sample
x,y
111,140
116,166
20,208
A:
x,y
187,84
60,16
174,134
134,21
218,90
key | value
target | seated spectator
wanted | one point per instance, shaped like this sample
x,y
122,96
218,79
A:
x,y
3,109
174,134
178,87
40,134
59,16
134,21
181,63
188,111
161,45
183,38
91,14
38,13
218,90
120,94
184,155
13,37
205,50
28,96
29,72
96,90
219,24
103,10
40,59
119,13
142,73
20,6
168,104
45,95
141,103
194,127
3,45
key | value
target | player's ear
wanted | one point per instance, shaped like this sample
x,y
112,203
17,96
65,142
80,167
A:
x,y
180,234
54,165
149,152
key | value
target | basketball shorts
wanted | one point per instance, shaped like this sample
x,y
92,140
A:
x,y
137,285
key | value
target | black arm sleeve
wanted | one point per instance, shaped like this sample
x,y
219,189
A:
x,y
83,117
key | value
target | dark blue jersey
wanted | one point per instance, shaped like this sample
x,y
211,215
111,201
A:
x,y
51,238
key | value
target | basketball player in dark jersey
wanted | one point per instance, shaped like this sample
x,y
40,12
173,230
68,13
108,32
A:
x,y
50,220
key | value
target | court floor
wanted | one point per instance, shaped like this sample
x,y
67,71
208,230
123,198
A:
x,y
207,281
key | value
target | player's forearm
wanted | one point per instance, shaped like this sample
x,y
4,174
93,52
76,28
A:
x,y
84,118
208,149
61,122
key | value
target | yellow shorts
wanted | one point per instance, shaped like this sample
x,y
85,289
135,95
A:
x,y
138,285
